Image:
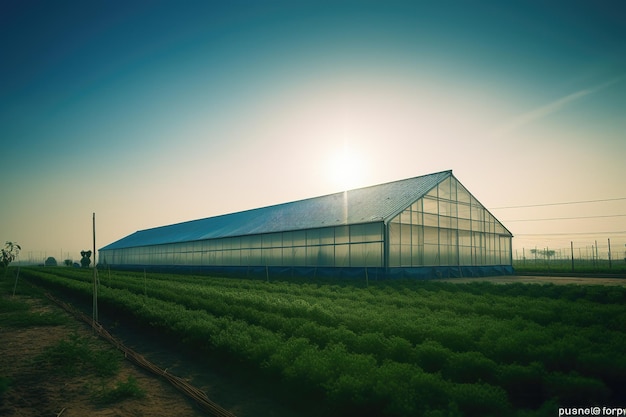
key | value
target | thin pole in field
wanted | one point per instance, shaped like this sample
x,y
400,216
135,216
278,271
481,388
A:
x,y
609,253
95,277
572,249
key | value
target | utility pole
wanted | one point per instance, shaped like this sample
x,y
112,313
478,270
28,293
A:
x,y
95,277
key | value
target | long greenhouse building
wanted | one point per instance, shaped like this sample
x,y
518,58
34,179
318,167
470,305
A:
x,y
428,226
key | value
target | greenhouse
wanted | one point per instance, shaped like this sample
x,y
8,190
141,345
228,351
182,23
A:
x,y
427,226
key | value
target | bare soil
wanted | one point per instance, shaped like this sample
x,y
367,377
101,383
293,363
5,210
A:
x,y
34,391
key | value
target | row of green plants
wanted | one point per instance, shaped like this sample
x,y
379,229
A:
x,y
397,348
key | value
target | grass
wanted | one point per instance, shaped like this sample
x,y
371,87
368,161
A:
x,y
122,390
564,266
78,355
5,385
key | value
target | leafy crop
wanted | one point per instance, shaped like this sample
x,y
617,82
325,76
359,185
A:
x,y
395,348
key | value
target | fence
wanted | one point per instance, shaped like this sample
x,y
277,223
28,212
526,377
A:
x,y
594,257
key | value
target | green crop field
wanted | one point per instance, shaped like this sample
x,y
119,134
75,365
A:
x,y
389,348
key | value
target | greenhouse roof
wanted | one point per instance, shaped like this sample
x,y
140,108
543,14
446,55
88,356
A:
x,y
376,203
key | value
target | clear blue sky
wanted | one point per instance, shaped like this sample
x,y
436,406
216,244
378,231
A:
x,y
150,113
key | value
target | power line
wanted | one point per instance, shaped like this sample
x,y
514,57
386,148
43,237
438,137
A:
x,y
564,218
571,233
560,204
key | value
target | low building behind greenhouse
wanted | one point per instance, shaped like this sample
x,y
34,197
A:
x,y
428,226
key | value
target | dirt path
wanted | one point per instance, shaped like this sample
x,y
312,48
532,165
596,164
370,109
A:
x,y
523,279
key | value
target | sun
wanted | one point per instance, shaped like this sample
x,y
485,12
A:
x,y
345,169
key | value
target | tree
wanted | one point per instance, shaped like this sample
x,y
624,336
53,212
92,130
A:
x,y
545,253
68,262
51,261
9,254
85,261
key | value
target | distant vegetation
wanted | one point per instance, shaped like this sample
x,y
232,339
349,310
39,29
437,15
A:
x,y
392,348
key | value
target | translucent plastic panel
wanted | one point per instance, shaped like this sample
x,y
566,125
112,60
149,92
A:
x,y
405,255
299,238
273,256
444,189
326,256
255,257
342,234
254,241
430,205
313,237
417,255
405,217
464,224
394,254
271,240
299,255
465,255
445,255
447,208
465,238
394,233
342,255
463,211
462,194
312,255
405,234
431,236
431,255
327,236
366,254
366,232
447,237
431,220
287,238
447,222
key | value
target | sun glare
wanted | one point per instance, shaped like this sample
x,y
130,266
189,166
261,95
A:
x,y
345,169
